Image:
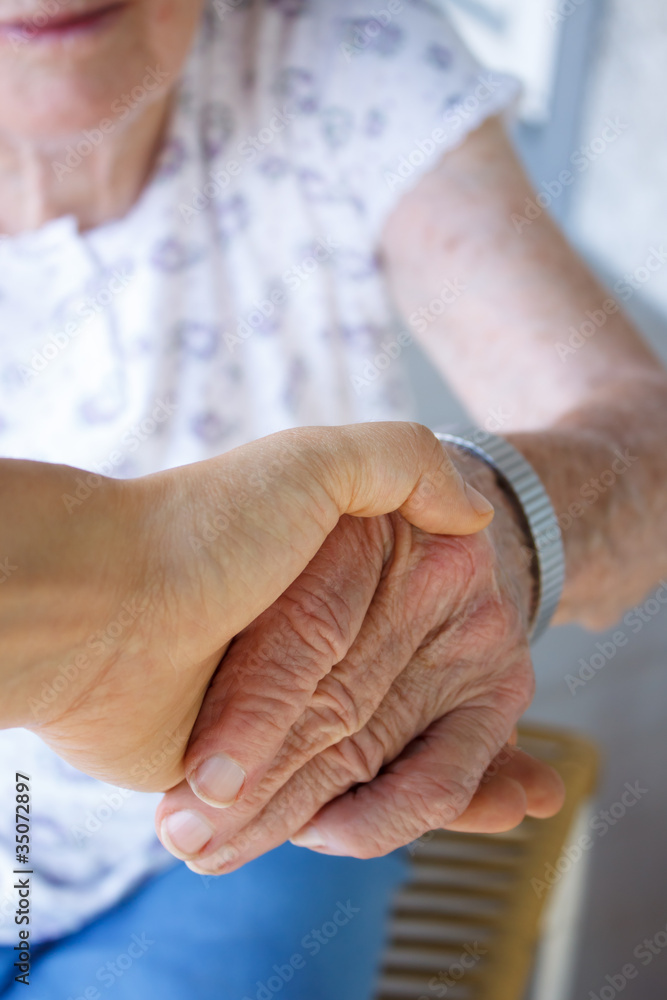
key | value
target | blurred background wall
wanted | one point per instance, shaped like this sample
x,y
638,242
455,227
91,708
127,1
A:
x,y
583,63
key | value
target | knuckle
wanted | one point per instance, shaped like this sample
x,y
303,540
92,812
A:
x,y
466,563
491,614
522,684
374,843
424,439
514,688
491,729
435,801
362,757
338,709
267,711
472,558
320,622
353,761
389,832
494,621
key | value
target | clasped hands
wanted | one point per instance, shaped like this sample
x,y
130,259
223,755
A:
x,y
330,647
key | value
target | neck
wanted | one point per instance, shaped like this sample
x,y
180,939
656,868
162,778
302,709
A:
x,y
40,182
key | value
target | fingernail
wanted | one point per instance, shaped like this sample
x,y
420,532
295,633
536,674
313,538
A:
x,y
309,837
186,831
478,502
218,781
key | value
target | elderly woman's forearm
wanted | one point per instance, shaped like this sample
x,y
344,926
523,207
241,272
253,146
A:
x,y
605,468
540,352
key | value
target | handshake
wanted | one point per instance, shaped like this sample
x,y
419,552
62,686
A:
x,y
328,644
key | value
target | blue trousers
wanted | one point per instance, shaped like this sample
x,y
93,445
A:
x,y
292,925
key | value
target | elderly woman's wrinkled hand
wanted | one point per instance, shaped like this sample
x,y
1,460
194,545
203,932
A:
x,y
375,698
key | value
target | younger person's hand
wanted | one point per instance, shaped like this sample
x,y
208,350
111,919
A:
x,y
126,602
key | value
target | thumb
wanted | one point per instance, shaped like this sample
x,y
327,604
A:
x,y
281,496
371,469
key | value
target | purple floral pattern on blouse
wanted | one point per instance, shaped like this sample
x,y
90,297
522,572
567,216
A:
x,y
439,56
217,126
232,216
337,126
291,8
371,34
200,340
172,159
297,86
173,255
210,427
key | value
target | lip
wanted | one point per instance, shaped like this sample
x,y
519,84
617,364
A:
x,y
41,27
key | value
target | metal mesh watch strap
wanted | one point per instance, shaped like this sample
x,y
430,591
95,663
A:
x,y
519,475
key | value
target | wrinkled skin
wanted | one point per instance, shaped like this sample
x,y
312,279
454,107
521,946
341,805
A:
x,y
387,679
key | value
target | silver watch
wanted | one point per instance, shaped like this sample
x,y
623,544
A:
x,y
524,483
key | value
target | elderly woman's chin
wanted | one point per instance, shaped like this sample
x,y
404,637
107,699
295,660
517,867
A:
x,y
66,64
